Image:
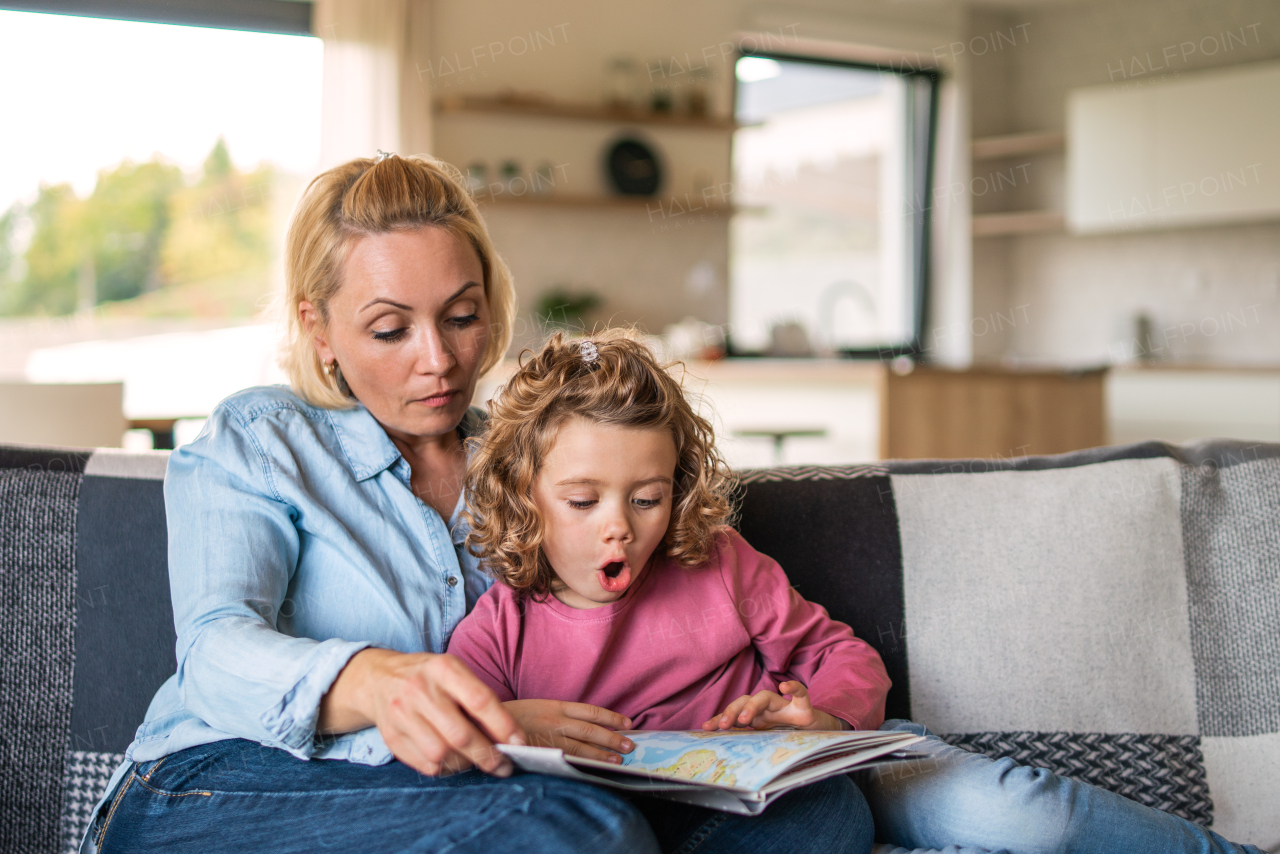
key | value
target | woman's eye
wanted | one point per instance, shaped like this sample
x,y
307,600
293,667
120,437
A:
x,y
581,505
464,321
390,334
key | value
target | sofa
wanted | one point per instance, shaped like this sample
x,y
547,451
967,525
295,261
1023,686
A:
x,y
1112,614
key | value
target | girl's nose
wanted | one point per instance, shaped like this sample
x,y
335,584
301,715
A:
x,y
617,530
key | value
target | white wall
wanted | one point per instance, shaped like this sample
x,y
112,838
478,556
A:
x,y
641,264
1081,293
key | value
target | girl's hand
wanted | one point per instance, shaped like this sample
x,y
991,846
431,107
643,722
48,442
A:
x,y
576,728
766,710
432,711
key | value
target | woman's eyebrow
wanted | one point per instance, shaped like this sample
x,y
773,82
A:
x,y
462,290
391,303
376,300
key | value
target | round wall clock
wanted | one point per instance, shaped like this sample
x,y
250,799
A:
x,y
633,168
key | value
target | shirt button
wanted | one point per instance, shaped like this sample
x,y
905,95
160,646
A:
x,y
453,581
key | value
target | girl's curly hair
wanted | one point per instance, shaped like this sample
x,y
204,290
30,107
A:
x,y
623,386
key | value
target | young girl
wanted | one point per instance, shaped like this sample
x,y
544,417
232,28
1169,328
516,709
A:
x,y
600,503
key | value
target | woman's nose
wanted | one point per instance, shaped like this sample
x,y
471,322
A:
x,y
434,354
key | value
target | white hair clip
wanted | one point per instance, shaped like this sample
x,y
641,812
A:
x,y
383,155
588,351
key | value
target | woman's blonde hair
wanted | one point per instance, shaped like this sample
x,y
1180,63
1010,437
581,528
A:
x,y
365,197
622,386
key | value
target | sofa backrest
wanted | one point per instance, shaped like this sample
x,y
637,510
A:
x,y
86,629
1111,614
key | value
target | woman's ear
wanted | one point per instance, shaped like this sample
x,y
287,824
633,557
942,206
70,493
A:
x,y
314,325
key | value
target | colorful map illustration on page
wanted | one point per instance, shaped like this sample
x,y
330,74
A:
x,y
721,758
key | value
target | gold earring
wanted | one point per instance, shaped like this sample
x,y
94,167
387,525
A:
x,y
328,368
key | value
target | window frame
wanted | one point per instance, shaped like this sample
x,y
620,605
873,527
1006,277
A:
x,y
922,172
281,17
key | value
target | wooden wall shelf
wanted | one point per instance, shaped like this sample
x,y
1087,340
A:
x,y
577,111
1017,222
1016,144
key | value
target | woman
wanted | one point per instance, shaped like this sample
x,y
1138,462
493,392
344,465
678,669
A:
x,y
317,570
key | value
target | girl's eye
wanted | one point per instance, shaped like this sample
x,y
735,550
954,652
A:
x,y
391,335
646,503
581,505
464,321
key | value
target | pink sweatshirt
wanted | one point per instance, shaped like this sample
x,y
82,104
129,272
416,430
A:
x,y
678,647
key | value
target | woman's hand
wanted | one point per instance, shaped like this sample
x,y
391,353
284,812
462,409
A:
x,y
576,728
432,711
766,710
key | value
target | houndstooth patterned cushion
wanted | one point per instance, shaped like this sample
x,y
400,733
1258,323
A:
x,y
86,778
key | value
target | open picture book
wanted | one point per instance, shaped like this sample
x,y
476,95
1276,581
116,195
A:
x,y
738,771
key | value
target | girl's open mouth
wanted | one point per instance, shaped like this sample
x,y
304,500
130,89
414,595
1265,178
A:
x,y
614,576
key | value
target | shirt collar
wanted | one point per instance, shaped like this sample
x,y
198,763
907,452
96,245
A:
x,y
368,448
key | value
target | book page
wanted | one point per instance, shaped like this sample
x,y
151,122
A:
x,y
745,760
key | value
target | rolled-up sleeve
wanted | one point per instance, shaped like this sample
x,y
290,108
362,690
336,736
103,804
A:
x,y
233,549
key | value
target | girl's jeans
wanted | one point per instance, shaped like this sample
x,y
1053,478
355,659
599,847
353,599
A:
x,y
963,803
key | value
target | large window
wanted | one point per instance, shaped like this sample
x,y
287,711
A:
x,y
149,170
145,163
829,252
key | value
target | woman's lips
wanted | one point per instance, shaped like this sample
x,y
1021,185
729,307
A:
x,y
440,399
614,577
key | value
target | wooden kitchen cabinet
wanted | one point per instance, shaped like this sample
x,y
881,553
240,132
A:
x,y
931,413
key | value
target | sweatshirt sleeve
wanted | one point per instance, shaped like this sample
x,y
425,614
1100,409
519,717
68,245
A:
x,y
233,549
480,641
797,639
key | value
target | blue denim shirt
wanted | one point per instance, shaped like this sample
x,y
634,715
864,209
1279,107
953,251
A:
x,y
295,541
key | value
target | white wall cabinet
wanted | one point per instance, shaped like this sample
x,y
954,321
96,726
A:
x,y
1179,405
1189,149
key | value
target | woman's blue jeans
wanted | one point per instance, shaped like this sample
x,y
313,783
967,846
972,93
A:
x,y
236,796
959,802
